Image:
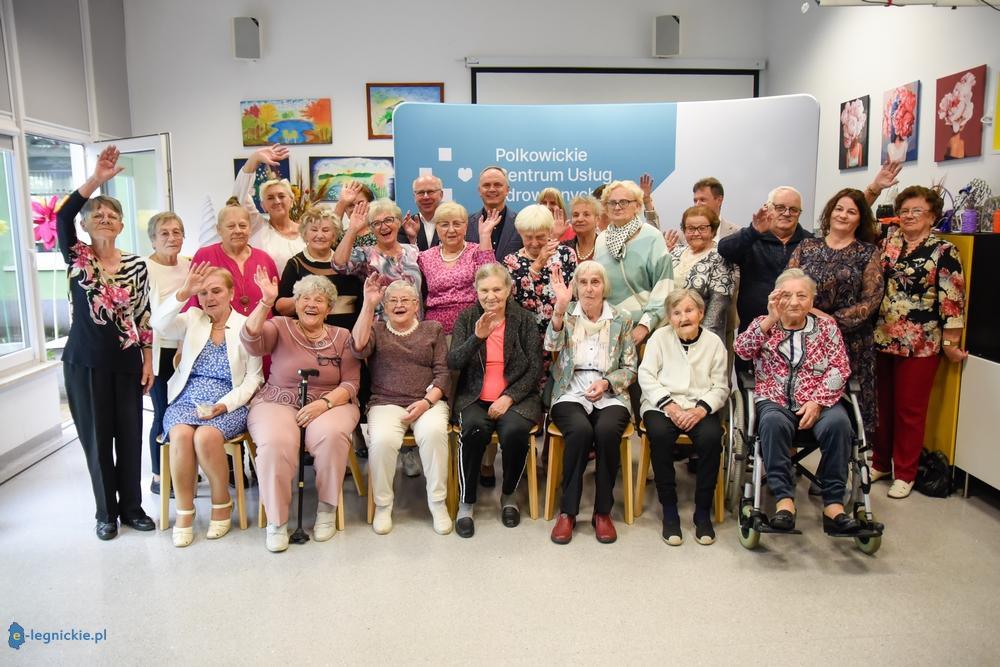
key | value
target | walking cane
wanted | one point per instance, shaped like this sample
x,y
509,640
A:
x,y
300,536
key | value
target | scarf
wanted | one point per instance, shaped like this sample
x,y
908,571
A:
x,y
615,237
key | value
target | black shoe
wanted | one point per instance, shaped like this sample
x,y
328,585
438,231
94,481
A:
x,y
107,530
840,524
783,520
704,532
465,527
815,489
140,522
672,534
510,516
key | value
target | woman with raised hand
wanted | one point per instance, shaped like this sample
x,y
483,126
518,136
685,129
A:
x,y
699,266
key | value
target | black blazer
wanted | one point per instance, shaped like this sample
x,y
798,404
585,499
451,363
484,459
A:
x,y
510,240
422,243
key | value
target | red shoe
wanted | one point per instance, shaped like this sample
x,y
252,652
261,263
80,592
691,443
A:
x,y
562,532
604,528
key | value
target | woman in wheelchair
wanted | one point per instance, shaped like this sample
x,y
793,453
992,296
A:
x,y
801,370
684,381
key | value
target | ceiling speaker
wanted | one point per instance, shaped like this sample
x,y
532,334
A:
x,y
246,38
667,36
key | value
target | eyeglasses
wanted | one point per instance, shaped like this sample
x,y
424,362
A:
x,y
781,209
620,203
399,301
700,229
912,212
327,361
384,221
425,193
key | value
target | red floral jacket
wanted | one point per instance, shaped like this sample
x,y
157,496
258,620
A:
x,y
819,371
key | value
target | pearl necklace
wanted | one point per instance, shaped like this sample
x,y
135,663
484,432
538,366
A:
x,y
397,332
314,260
456,257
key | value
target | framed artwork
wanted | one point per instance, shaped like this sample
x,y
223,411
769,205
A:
x,y
263,174
383,98
996,116
900,123
854,132
297,121
378,173
958,114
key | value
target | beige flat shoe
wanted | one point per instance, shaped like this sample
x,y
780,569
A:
x,y
879,474
217,529
900,489
183,536
325,526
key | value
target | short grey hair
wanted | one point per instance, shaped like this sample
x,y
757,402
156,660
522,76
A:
x,y
534,218
795,274
494,270
315,213
590,266
587,200
315,285
404,286
681,293
382,206
153,225
783,188
496,167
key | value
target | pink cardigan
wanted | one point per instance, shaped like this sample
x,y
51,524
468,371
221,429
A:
x,y
820,376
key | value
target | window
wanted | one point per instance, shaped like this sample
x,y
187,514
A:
x,y
14,330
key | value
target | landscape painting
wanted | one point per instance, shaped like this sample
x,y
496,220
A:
x,y
296,121
378,173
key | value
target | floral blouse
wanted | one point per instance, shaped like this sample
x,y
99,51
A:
x,y
924,294
533,291
714,279
404,267
110,312
848,280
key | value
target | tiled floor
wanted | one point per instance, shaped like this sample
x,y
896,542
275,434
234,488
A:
x,y
506,596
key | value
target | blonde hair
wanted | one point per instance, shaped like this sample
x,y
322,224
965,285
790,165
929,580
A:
x,y
275,182
632,187
534,218
380,206
227,277
314,214
449,209
231,204
552,192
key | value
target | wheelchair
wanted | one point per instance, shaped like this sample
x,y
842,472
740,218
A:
x,y
744,475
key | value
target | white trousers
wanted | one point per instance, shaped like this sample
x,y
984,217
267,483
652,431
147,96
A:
x,y
385,436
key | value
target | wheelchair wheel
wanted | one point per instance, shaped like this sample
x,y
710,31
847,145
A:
x,y
869,545
735,471
749,537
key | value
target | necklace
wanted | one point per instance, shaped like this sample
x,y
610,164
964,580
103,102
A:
x,y
305,333
314,260
581,256
397,332
452,259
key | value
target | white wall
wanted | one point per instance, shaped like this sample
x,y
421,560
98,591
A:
x,y
183,78
839,53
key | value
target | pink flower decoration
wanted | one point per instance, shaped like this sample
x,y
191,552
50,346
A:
x,y
852,121
44,217
955,107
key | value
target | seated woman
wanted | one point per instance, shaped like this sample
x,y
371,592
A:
x,y
328,417
410,377
684,382
208,392
801,369
595,367
699,266
496,347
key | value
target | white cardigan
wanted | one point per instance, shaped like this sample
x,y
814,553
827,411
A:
x,y
195,328
699,375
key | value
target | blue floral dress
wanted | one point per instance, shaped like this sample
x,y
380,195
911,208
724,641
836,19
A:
x,y
209,381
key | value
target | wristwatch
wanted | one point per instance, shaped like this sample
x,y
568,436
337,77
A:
x,y
948,343
329,403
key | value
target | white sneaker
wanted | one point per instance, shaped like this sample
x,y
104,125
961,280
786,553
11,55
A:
x,y
411,462
382,522
442,520
325,526
900,489
277,537
879,474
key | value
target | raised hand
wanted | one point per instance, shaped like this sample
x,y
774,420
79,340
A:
x,y
107,167
268,286
672,237
486,225
762,219
562,291
359,218
487,323
559,224
544,254
271,155
374,289
411,225
194,280
349,192
886,176
646,185
776,303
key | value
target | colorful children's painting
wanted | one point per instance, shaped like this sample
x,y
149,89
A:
x,y
298,121
958,111
377,173
264,173
900,122
383,98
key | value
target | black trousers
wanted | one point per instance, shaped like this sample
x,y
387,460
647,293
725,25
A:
x,y
707,438
107,410
476,430
158,395
601,430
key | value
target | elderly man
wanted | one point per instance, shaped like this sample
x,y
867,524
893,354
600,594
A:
x,y
493,189
428,191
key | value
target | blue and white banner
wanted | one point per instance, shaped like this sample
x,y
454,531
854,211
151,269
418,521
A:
x,y
750,145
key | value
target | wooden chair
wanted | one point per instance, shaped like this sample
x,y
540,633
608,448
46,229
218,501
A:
x,y
553,478
451,499
531,465
644,460
234,449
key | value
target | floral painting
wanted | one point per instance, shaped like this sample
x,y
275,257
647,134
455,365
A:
x,y
383,98
958,111
854,133
378,173
264,173
900,123
299,121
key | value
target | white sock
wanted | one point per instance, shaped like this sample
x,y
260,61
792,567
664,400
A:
x,y
465,510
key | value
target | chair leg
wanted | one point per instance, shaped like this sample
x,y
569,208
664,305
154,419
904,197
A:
x,y
626,456
235,451
261,515
640,474
553,476
371,498
532,477
164,485
452,496
359,481
340,509
252,450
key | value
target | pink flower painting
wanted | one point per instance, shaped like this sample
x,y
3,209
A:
x,y
900,123
854,133
958,127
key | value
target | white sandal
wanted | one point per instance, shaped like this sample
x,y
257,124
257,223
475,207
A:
x,y
217,529
183,536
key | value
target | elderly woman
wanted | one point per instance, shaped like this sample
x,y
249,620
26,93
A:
x,y
167,272
533,266
449,268
684,381
321,232
328,417
585,212
635,257
801,369
107,361
552,199
595,367
700,267
410,378
208,393
496,347
389,258
921,318
844,264
234,254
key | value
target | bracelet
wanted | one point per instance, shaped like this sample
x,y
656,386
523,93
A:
x,y
329,403
429,404
948,343
265,304
869,190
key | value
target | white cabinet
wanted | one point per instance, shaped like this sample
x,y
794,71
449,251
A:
x,y
977,448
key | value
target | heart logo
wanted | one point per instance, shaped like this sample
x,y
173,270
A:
x,y
464,174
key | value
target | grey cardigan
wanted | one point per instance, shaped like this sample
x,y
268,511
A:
x,y
522,357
